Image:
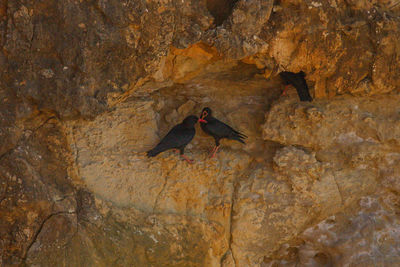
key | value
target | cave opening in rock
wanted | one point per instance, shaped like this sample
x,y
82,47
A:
x,y
238,94
220,9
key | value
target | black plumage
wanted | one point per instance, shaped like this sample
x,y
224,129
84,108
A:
x,y
177,138
218,129
298,81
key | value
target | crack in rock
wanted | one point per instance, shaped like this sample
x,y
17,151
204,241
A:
x,y
163,188
35,236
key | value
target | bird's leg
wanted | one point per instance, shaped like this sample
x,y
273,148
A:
x,y
285,88
215,150
187,159
212,151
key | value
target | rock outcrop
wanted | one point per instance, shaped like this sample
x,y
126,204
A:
x,y
87,87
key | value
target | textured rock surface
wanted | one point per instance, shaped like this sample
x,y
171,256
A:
x,y
88,86
361,152
365,238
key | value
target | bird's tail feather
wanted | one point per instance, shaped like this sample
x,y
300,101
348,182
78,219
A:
x,y
240,134
238,138
305,96
153,152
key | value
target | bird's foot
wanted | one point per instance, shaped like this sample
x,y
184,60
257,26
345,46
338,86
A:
x,y
214,152
284,93
190,161
175,150
211,155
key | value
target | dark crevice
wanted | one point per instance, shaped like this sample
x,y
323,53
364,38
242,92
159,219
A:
x,y
32,37
163,188
4,18
234,197
4,194
220,9
40,230
8,152
23,139
106,19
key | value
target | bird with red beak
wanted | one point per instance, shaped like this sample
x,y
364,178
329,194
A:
x,y
218,130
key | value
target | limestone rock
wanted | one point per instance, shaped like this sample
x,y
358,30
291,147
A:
x,y
87,87
276,207
348,239
365,121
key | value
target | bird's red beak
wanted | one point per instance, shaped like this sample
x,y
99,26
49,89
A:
x,y
201,119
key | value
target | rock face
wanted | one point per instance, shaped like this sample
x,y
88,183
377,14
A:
x,y
87,87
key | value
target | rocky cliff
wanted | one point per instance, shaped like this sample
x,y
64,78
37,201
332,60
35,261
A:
x,y
88,86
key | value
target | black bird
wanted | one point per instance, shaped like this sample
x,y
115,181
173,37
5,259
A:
x,y
298,81
218,129
177,138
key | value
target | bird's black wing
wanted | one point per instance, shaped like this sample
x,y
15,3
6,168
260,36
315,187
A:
x,y
302,89
221,130
286,77
298,81
178,137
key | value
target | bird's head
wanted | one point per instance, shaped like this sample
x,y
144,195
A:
x,y
190,121
206,112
